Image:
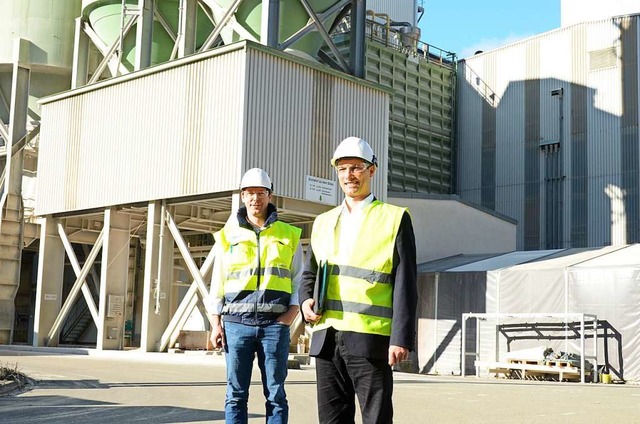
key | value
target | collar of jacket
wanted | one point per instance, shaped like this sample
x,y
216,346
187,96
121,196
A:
x,y
272,216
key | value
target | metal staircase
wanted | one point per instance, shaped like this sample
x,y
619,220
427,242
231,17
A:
x,y
79,318
14,225
11,233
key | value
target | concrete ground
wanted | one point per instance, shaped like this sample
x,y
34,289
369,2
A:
x,y
86,386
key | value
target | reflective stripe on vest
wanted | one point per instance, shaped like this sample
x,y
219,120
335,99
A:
x,y
360,294
243,252
250,307
250,272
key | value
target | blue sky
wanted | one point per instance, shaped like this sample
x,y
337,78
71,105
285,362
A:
x,y
464,26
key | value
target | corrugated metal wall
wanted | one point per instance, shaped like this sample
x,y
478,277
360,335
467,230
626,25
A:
x,y
398,10
420,120
566,166
193,126
155,135
297,115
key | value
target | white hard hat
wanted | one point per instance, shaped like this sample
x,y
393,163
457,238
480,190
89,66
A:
x,y
256,177
354,147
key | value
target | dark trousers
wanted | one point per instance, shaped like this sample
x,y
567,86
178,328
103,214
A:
x,y
341,377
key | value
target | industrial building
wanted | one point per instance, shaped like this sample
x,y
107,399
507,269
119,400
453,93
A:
x,y
548,129
547,134
126,125
124,135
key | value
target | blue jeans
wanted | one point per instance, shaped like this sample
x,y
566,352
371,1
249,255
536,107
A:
x,y
271,344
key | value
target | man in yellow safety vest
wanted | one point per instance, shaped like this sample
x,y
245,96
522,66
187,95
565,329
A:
x,y
254,287
365,253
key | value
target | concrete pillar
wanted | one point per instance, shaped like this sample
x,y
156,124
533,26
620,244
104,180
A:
x,y
157,280
50,281
113,280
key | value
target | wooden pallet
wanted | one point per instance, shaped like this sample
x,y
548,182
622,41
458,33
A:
x,y
525,361
560,363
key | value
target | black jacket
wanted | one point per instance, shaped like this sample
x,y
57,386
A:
x,y
404,303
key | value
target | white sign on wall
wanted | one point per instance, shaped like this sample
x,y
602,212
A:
x,y
115,306
320,190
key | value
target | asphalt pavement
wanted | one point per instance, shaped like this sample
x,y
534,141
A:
x,y
88,386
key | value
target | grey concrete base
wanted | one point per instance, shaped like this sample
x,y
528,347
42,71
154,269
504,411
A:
x,y
120,386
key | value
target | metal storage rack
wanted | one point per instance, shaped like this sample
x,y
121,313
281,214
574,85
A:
x,y
570,321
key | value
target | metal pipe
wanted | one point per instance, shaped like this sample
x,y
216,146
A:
x,y
121,38
158,285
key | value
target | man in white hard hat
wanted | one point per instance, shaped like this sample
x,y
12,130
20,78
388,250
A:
x,y
364,251
254,288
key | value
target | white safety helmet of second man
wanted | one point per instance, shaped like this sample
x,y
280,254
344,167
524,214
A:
x,y
354,147
256,177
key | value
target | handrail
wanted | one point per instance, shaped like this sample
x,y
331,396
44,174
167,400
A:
x,y
389,36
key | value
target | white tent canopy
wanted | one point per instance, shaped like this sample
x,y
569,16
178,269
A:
x,y
601,281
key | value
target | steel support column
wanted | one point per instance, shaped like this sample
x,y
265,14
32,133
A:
x,y
191,265
325,36
311,25
144,34
50,280
108,52
357,40
52,336
113,280
157,277
186,307
187,30
77,269
80,70
17,117
226,18
270,23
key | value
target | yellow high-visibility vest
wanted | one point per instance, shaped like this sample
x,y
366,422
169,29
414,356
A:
x,y
360,285
258,268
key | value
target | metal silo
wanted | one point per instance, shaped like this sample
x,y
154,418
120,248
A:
x,y
47,29
107,19
36,51
113,21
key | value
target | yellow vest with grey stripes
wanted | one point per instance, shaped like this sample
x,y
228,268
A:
x,y
257,286
360,285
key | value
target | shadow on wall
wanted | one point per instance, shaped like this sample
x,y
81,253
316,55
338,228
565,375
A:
x,y
442,298
548,152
